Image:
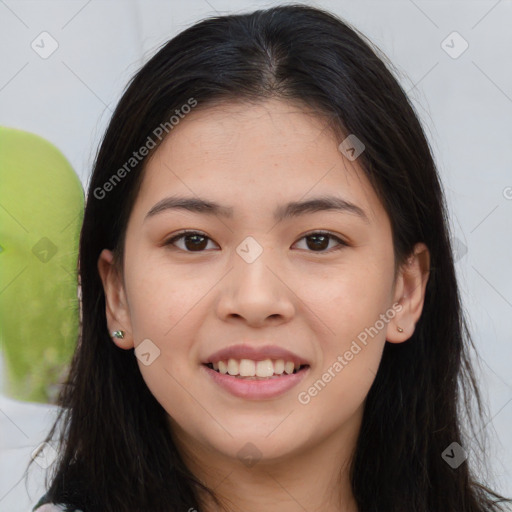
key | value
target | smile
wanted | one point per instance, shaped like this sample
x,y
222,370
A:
x,y
255,380
247,368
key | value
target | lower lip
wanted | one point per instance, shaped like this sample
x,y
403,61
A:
x,y
256,389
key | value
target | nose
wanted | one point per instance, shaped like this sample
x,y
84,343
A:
x,y
256,293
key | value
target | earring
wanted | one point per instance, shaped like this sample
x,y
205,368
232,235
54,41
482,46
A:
x,y
118,334
399,329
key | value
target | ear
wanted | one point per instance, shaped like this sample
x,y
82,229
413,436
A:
x,y
116,306
409,292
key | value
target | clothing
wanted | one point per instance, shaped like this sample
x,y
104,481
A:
x,y
45,505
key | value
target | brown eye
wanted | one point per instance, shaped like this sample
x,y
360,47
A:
x,y
319,241
193,241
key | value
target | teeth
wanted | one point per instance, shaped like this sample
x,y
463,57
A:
x,y
265,368
233,367
247,368
250,368
289,367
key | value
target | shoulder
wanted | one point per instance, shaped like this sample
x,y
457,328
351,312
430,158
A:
x,y
49,507
45,505
54,507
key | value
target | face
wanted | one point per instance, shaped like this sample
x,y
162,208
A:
x,y
260,280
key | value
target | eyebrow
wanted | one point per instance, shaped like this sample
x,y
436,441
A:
x,y
289,210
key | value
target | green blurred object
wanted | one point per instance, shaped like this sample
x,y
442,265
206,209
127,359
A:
x,y
41,213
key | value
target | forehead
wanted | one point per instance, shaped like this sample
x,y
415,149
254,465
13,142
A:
x,y
252,157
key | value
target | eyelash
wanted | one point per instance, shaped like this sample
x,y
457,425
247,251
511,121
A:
x,y
341,242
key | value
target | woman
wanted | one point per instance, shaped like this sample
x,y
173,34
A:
x,y
270,315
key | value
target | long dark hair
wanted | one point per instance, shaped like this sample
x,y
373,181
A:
x,y
115,450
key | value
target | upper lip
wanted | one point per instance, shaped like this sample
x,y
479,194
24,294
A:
x,y
260,353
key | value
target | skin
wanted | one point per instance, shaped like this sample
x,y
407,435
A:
x,y
313,300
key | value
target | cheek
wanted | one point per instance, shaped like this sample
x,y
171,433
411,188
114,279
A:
x,y
160,297
350,356
350,297
354,306
162,310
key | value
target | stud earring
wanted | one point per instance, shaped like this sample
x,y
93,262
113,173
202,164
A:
x,y
399,329
118,334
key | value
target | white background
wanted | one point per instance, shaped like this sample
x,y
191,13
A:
x,y
465,104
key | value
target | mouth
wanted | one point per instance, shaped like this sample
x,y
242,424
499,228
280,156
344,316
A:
x,y
267,379
246,369
255,372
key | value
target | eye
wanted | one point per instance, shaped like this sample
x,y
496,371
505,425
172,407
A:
x,y
319,241
195,241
